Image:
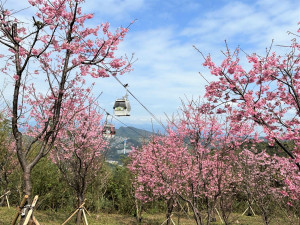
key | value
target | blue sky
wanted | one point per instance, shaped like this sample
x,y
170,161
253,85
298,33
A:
x,y
162,39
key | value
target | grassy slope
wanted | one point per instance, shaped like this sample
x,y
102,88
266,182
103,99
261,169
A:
x,y
52,218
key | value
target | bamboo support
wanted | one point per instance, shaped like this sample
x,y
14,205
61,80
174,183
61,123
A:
x,y
5,194
86,211
84,216
170,219
74,213
249,207
173,221
29,214
182,209
7,201
245,211
19,209
219,215
35,221
252,210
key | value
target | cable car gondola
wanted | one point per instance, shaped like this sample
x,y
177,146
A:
x,y
109,130
122,105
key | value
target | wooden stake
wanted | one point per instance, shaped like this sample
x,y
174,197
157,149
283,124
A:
x,y
19,209
249,206
6,193
245,211
219,215
84,216
252,210
74,213
86,211
30,210
7,201
167,220
173,221
35,220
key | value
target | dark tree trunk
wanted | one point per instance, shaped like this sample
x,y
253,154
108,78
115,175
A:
x,y
193,205
27,189
170,207
27,182
138,209
79,214
197,216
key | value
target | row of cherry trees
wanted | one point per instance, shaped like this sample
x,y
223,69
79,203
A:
x,y
202,161
206,161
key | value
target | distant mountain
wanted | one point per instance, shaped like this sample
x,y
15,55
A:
x,y
132,132
126,137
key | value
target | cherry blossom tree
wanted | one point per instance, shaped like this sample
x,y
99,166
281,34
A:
x,y
80,149
213,141
265,179
47,59
266,93
193,162
160,168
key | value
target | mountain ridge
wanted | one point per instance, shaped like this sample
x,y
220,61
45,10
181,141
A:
x,y
134,137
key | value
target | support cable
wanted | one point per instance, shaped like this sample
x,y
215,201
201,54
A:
x,y
107,113
125,86
154,117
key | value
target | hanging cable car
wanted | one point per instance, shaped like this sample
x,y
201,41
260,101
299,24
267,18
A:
x,y
109,130
122,105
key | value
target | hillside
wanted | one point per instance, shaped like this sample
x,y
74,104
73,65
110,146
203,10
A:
x,y
133,137
133,133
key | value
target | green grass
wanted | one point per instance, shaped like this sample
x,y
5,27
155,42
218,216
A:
x,y
54,218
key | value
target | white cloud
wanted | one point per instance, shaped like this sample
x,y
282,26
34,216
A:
x,y
254,23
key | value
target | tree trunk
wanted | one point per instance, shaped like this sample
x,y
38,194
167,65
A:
x,y
27,182
79,214
265,217
27,189
197,215
2,202
138,208
170,206
210,213
193,205
213,216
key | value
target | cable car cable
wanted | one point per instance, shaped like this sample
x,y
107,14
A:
x,y
107,113
125,86
154,117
